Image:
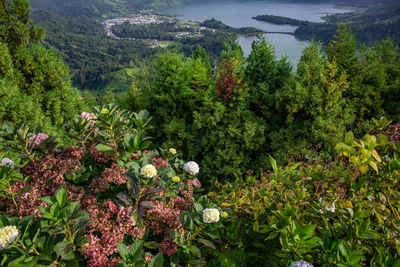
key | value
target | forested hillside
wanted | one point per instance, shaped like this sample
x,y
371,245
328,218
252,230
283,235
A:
x,y
99,8
86,48
375,23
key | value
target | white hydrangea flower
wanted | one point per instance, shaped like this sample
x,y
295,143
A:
x,y
210,215
8,234
191,167
331,207
7,161
148,171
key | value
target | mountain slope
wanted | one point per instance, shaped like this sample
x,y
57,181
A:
x,y
98,8
371,25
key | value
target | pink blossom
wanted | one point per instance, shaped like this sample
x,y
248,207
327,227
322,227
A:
x,y
196,183
38,138
162,218
168,246
148,258
99,156
89,117
159,163
114,175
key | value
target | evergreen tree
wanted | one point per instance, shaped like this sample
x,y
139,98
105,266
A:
x,y
265,77
34,80
342,49
229,137
177,90
317,112
380,74
364,92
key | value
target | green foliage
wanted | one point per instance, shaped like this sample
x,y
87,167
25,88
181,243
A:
x,y
381,71
135,256
280,20
317,112
320,214
34,80
177,90
52,239
100,8
360,152
21,138
342,50
265,76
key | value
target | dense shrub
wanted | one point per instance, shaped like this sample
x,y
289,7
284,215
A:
x,y
341,213
115,201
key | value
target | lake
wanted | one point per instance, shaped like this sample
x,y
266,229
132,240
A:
x,y
239,13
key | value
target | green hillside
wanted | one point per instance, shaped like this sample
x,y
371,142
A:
x,y
371,25
99,8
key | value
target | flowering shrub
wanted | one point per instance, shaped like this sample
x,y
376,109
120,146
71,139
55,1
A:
x,y
118,195
306,214
90,117
107,201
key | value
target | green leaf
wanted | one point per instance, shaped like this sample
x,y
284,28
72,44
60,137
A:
x,y
105,148
48,200
152,244
61,196
273,164
206,243
69,256
308,231
62,249
195,250
136,247
157,261
133,166
123,250
349,138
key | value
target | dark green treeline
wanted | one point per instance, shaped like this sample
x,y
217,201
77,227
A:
x,y
230,118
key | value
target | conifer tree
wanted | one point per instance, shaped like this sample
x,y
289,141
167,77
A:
x,y
265,77
317,112
177,90
342,49
34,80
363,94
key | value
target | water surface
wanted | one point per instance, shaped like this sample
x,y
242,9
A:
x,y
239,13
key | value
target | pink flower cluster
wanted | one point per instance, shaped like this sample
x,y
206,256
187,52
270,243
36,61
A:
x,y
99,156
113,175
195,182
148,258
47,176
110,224
162,218
37,139
178,203
89,117
168,246
159,163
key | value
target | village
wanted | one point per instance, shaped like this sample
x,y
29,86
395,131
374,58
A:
x,y
149,19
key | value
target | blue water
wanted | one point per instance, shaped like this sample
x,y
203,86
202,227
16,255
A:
x,y
239,13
